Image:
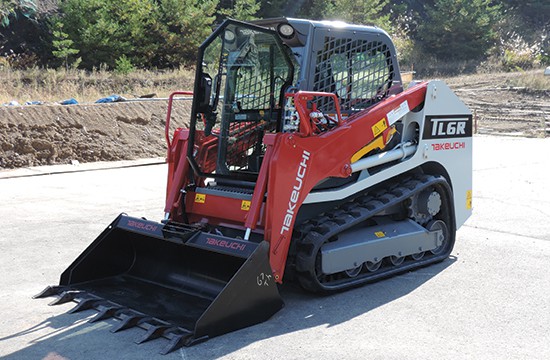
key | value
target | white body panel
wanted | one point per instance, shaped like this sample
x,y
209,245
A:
x,y
445,138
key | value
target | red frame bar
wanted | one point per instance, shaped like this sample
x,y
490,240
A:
x,y
169,116
300,102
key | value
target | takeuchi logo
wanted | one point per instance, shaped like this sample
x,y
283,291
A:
x,y
295,194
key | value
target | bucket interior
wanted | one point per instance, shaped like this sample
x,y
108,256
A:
x,y
157,277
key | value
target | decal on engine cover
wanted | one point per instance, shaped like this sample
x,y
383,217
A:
x,y
447,126
449,146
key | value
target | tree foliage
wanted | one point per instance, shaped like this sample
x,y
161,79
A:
x,y
62,45
244,10
183,26
104,30
459,29
166,33
10,9
355,12
146,32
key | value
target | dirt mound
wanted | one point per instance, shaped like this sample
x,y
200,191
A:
x,y
502,108
55,134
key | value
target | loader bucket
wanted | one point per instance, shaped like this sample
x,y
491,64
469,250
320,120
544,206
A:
x,y
172,280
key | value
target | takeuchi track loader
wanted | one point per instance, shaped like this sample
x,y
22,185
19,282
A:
x,y
307,160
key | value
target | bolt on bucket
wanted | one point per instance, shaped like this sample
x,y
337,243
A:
x,y
173,280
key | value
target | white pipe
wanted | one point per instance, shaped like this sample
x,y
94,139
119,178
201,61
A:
x,y
402,151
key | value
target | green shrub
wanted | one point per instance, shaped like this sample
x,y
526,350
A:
x,y
124,66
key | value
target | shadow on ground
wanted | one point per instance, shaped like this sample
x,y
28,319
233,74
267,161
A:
x,y
70,336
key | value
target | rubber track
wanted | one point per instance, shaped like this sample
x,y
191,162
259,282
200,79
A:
x,y
311,235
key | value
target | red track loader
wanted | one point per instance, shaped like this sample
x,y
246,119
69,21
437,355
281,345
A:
x,y
306,159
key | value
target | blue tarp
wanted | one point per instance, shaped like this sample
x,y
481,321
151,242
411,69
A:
x,y
110,99
71,101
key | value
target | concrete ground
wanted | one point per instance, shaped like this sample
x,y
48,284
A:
x,y
489,300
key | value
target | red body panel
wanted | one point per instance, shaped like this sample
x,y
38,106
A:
x,y
293,164
217,209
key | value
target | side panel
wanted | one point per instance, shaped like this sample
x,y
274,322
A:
x,y
446,138
450,147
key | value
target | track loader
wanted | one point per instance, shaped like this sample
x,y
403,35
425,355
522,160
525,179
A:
x,y
306,159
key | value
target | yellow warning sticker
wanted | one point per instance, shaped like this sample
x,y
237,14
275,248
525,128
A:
x,y
379,127
245,205
200,198
379,234
469,199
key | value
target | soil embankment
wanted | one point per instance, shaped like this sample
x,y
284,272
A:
x,y
55,134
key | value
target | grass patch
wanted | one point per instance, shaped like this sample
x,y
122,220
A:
x,y
534,80
50,85
530,79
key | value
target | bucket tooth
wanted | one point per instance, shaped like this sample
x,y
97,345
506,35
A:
x,y
106,313
86,304
177,341
129,321
50,291
65,297
154,332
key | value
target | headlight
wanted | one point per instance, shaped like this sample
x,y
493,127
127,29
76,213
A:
x,y
285,30
229,36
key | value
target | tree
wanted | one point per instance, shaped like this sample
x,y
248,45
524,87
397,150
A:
x,y
244,10
62,45
104,30
357,12
534,13
276,8
184,24
13,8
459,29
360,12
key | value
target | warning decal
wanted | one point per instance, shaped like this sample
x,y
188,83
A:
x,y
245,205
200,198
379,127
469,199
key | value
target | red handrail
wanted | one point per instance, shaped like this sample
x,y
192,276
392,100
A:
x,y
301,99
169,115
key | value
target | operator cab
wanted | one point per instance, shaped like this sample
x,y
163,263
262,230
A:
x,y
245,70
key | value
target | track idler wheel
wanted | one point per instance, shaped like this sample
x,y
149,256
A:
x,y
439,225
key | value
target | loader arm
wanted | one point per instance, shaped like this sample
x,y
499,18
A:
x,y
299,163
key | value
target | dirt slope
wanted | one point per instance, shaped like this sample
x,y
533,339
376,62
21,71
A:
x,y
55,134
502,108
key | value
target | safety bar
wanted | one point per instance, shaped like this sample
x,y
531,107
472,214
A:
x,y
307,114
169,115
